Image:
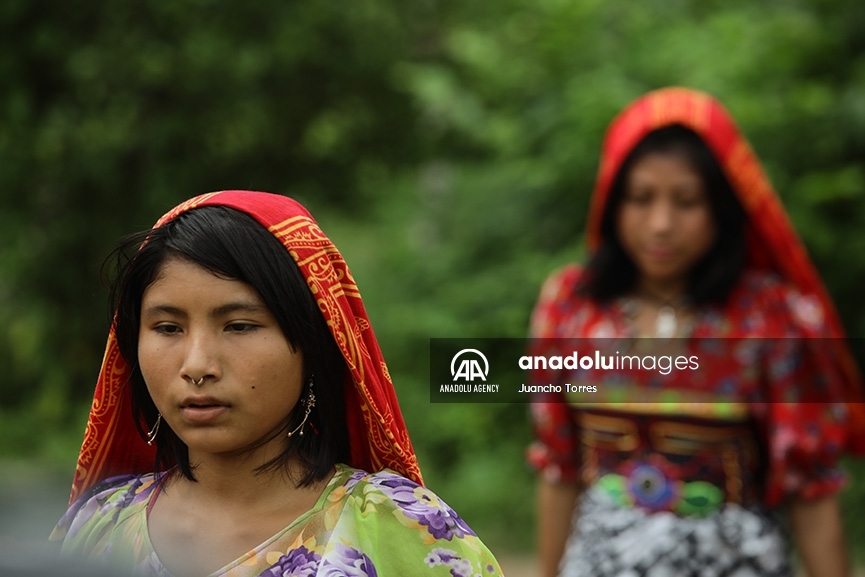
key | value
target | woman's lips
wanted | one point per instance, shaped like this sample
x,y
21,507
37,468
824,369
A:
x,y
202,414
660,253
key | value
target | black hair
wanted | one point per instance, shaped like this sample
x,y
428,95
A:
x,y
233,245
611,273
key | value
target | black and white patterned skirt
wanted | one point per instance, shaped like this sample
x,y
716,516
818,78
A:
x,y
610,540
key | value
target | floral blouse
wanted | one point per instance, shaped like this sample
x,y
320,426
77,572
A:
x,y
363,524
771,362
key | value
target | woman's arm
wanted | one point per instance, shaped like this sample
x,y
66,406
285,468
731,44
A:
x,y
819,537
556,502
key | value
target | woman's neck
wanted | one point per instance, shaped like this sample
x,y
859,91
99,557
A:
x,y
239,479
669,290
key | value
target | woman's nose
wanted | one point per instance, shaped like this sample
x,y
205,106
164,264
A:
x,y
200,359
661,216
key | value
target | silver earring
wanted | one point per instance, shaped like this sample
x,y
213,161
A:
x,y
309,403
151,436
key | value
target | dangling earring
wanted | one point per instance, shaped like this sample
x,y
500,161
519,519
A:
x,y
309,403
151,436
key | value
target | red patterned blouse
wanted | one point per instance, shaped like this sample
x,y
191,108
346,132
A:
x,y
765,373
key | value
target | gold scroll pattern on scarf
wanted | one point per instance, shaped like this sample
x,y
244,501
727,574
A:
x,y
337,295
747,177
103,416
680,106
184,206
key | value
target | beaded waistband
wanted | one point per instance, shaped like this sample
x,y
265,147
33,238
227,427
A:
x,y
661,464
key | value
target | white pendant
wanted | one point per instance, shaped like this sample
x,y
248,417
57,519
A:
x,y
666,323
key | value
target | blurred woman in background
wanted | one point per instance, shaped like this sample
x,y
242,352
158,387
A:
x,y
690,471
244,422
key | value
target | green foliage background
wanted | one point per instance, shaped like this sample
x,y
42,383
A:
x,y
449,148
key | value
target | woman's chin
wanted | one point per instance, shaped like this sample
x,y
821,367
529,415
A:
x,y
662,274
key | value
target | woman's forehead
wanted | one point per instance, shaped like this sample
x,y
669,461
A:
x,y
179,278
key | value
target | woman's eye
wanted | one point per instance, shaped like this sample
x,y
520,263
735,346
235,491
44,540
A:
x,y
167,329
689,202
640,199
240,327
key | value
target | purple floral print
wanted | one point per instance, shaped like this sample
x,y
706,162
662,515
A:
x,y
423,506
300,562
348,562
459,567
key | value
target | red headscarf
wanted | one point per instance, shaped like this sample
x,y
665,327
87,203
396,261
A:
x,y
772,241
377,433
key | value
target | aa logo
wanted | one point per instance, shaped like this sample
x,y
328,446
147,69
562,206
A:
x,y
469,369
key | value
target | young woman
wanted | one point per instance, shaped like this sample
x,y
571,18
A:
x,y
691,470
244,422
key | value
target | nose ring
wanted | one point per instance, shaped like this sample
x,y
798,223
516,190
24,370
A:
x,y
198,382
